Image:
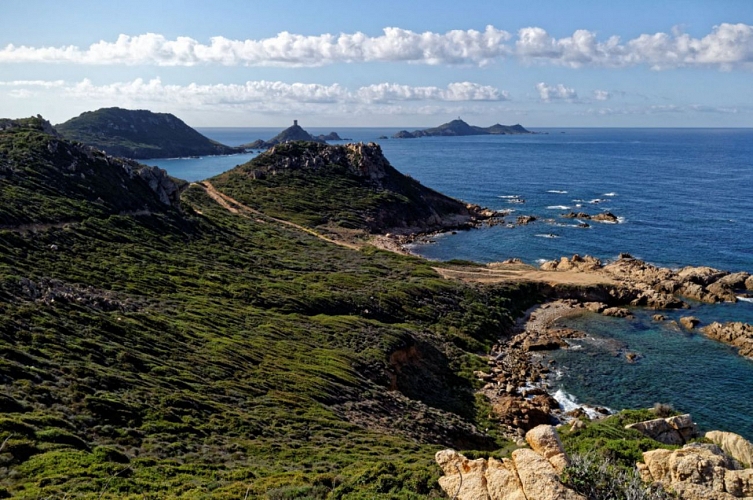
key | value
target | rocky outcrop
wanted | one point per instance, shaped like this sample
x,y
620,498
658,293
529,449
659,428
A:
x,y
675,430
737,334
733,445
646,285
697,472
529,473
689,322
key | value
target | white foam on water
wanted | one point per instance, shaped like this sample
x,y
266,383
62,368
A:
x,y
745,299
547,235
568,402
596,201
557,191
509,196
558,207
541,261
609,194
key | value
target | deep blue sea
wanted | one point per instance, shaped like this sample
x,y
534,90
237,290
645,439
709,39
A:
x,y
683,197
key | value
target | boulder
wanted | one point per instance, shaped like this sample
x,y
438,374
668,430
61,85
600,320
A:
x,y
697,471
658,317
617,312
733,445
735,280
502,480
545,441
605,217
524,220
462,476
689,322
539,478
749,283
673,430
701,275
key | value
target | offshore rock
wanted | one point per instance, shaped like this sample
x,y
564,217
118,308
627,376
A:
x,y
737,334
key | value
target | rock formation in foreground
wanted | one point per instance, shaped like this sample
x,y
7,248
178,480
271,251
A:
x,y
694,472
140,134
527,474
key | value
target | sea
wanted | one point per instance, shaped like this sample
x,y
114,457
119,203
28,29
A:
x,y
681,197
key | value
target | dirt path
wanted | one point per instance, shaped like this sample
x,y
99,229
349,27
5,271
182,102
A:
x,y
234,206
518,272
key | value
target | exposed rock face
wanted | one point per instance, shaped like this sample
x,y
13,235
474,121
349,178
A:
x,y
697,472
605,217
737,334
530,473
734,445
673,430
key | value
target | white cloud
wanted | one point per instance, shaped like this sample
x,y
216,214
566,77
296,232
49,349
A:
x,y
285,49
727,46
33,83
549,93
261,92
602,95
461,91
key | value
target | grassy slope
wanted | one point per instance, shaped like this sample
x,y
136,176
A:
x,y
204,354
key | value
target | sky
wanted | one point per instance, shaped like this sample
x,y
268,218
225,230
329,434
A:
x,y
383,63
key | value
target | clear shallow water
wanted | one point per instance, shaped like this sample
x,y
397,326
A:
x,y
684,197
689,371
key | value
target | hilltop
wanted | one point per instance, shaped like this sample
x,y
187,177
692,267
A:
x,y
139,134
336,188
291,134
459,127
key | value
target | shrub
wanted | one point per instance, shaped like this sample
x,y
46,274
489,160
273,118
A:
x,y
598,478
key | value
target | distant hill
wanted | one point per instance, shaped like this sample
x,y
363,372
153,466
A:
x,y
459,127
293,133
352,186
139,134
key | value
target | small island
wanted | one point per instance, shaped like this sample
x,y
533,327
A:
x,y
293,133
459,128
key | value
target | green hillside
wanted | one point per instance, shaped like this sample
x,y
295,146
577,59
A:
x,y
188,352
139,134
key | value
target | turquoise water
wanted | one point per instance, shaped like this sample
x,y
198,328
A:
x,y
687,370
684,197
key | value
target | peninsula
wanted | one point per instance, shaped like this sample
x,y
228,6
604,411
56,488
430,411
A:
x,y
459,127
140,134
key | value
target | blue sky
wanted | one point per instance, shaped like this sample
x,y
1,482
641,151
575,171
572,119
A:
x,y
387,63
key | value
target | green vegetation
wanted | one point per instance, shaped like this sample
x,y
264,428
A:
x,y
187,352
139,134
335,188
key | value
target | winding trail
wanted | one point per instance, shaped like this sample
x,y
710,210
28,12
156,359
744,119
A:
x,y
234,206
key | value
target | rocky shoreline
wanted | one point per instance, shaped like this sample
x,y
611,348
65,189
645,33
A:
x,y
517,383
